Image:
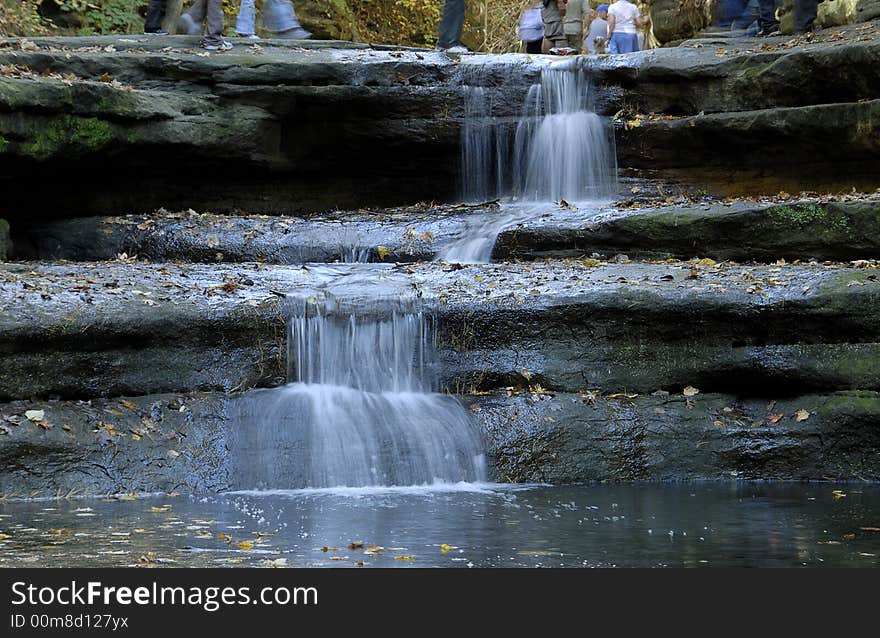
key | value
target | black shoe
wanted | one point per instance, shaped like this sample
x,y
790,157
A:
x,y
157,32
767,32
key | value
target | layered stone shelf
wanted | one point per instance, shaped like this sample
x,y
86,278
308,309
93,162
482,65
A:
x,y
133,123
78,331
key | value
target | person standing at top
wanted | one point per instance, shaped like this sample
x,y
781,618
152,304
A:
x,y
554,35
451,26
191,23
623,20
531,28
155,13
279,17
596,40
573,23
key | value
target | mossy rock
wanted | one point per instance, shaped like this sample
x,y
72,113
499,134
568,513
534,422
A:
x,y
5,242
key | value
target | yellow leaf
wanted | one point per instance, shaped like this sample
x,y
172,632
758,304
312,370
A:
x,y
129,405
224,537
446,548
838,494
383,252
707,262
405,558
801,415
720,424
245,545
691,391
3,537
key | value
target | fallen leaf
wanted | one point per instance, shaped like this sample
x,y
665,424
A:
x,y
690,391
774,418
35,415
383,252
245,545
801,415
405,558
446,548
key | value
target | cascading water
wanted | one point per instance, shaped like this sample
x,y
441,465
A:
x,y
557,149
363,408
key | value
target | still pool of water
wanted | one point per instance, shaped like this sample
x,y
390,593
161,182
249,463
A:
x,y
465,525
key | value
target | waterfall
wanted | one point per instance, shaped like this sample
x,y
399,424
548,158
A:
x,y
558,148
362,407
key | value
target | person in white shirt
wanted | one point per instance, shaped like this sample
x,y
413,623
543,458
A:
x,y
623,20
531,28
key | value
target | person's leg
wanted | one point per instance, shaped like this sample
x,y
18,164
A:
x,y
804,14
214,31
155,13
451,24
767,16
615,43
197,11
574,41
247,16
279,17
534,46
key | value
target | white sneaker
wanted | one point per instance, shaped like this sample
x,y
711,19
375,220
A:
x,y
460,48
252,36
223,46
187,25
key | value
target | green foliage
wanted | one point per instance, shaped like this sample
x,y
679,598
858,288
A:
x,y
105,16
21,17
397,21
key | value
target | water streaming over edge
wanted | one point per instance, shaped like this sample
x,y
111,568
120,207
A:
x,y
557,149
362,408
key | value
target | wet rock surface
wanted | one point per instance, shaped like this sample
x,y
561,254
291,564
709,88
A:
x,y
74,330
561,438
732,230
187,442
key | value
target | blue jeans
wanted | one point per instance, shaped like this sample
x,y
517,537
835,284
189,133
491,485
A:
x,y
767,14
623,42
278,16
452,24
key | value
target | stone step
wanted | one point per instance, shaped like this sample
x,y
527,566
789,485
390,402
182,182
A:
x,y
187,442
738,231
88,330
809,146
277,128
404,234
822,229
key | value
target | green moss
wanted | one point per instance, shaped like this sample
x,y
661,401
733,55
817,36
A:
x,y
4,143
859,402
820,219
80,134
